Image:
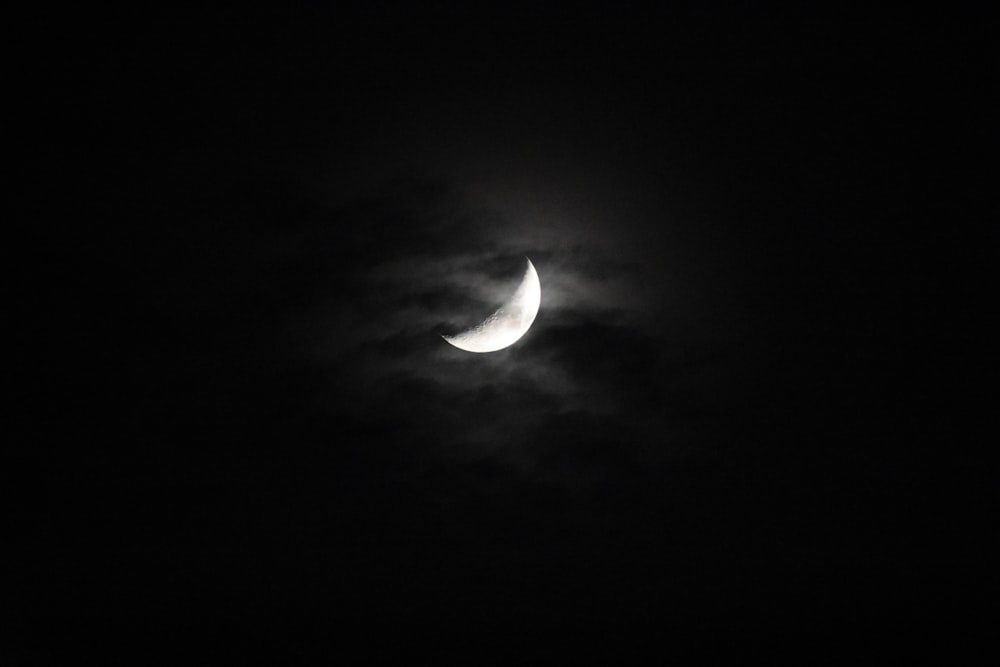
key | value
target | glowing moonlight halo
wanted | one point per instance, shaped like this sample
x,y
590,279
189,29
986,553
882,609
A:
x,y
511,320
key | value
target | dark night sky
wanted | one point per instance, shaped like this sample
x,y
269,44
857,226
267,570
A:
x,y
736,423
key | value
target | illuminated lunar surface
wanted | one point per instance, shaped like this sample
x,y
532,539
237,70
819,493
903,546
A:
x,y
511,321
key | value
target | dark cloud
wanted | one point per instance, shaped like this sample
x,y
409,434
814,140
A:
x,y
364,290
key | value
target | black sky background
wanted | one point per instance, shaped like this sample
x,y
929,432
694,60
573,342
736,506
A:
x,y
739,421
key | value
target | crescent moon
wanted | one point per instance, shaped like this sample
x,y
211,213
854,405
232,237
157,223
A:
x,y
511,320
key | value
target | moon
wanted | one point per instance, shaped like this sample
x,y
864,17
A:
x,y
511,320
